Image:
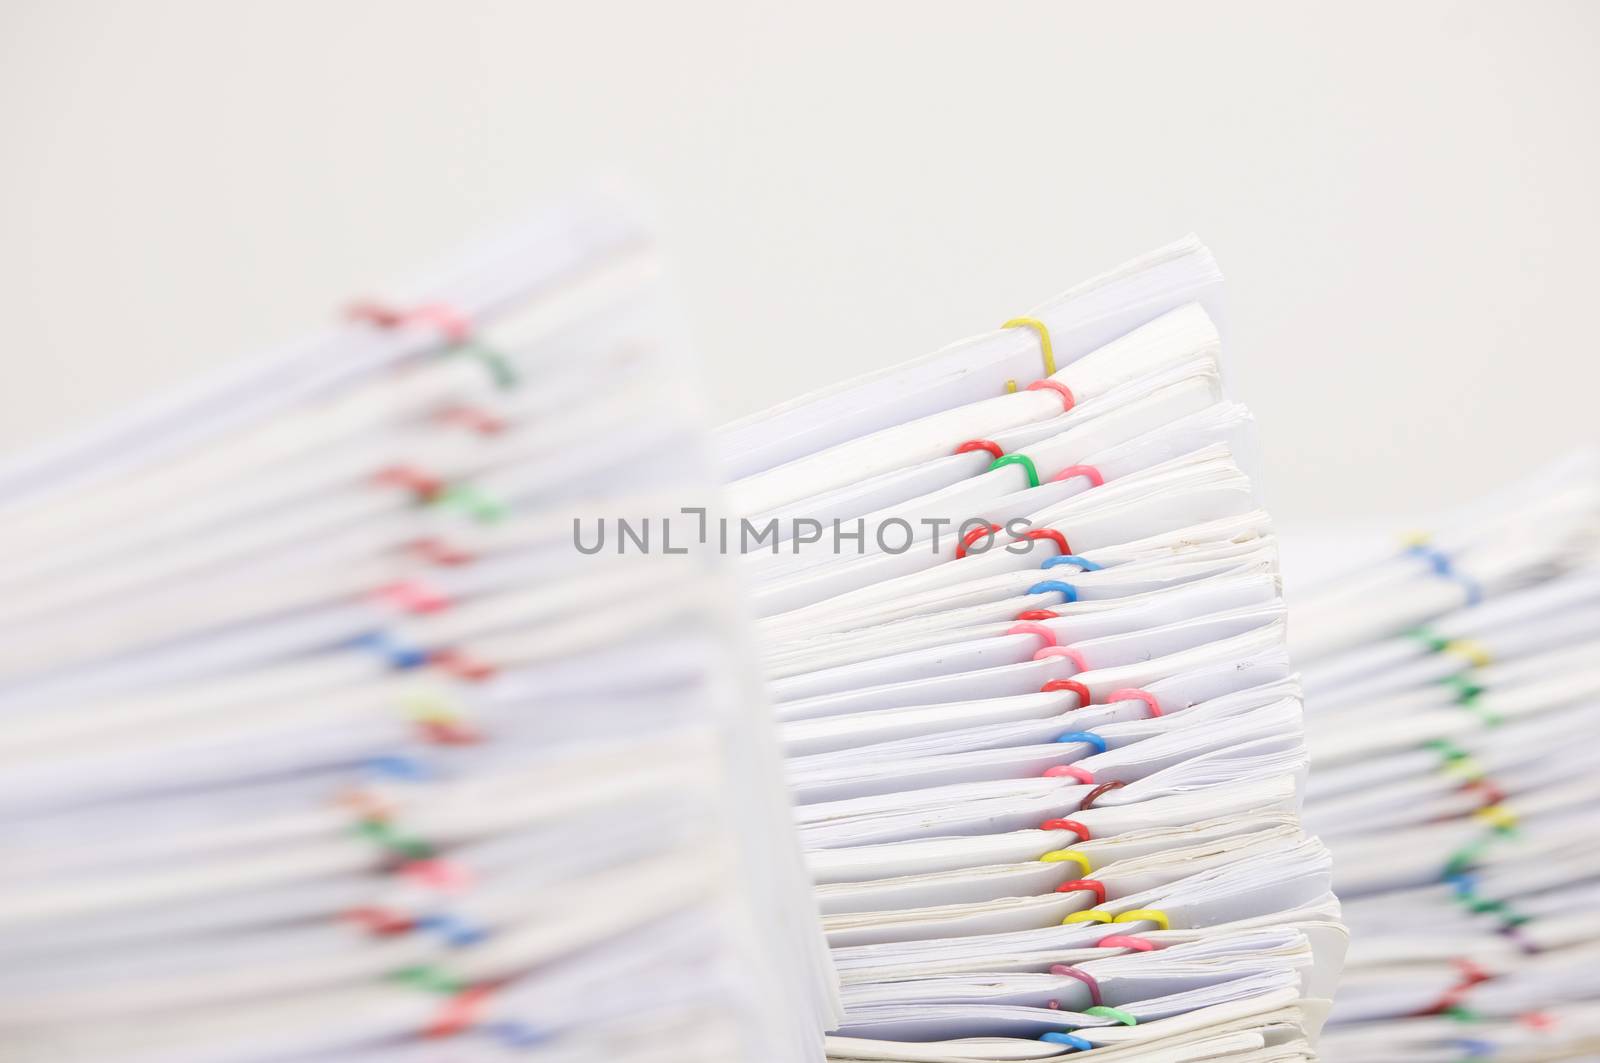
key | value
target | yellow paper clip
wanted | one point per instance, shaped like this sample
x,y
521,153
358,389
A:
x,y
1471,651
1059,855
1464,768
1151,915
1498,817
1044,344
431,704
1092,915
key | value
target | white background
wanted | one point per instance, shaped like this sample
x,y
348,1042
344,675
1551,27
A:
x,y
1403,195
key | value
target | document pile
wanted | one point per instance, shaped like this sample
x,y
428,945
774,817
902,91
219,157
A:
x,y
1454,692
1020,610
322,742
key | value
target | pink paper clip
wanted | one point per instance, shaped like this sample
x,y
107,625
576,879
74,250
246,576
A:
x,y
1088,471
414,596
1067,400
447,321
1135,694
445,876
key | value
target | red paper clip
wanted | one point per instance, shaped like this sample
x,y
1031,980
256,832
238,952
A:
x,y
461,1012
381,921
425,487
473,418
1068,684
1051,534
439,552
981,444
1067,824
1094,886
1038,614
462,666
973,536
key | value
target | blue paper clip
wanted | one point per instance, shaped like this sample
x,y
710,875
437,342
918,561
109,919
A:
x,y
516,1034
1067,1039
397,654
1083,564
1084,736
1067,591
398,766
456,931
1444,568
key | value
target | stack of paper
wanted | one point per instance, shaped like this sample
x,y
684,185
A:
x,y
323,741
1454,691
1020,608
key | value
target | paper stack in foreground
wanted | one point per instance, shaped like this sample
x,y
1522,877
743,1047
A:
x,y
1020,609
323,741
1454,696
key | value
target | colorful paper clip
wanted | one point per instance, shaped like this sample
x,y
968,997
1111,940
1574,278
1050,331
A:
x,y
461,1012
472,502
455,327
1069,1039
1054,536
1088,737
1136,694
1057,856
973,445
414,596
1046,348
1068,824
1061,970
1067,399
472,418
1083,563
1068,684
1091,915
398,654
972,536
1092,885
1089,472
1098,792
1068,592
1444,567
1022,460
424,487
456,932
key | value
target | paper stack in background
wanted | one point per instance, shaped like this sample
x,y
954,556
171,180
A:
x,y
1020,607
321,741
1453,692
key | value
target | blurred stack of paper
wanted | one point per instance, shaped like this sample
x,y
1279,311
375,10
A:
x,y
1027,643
323,741
1454,691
